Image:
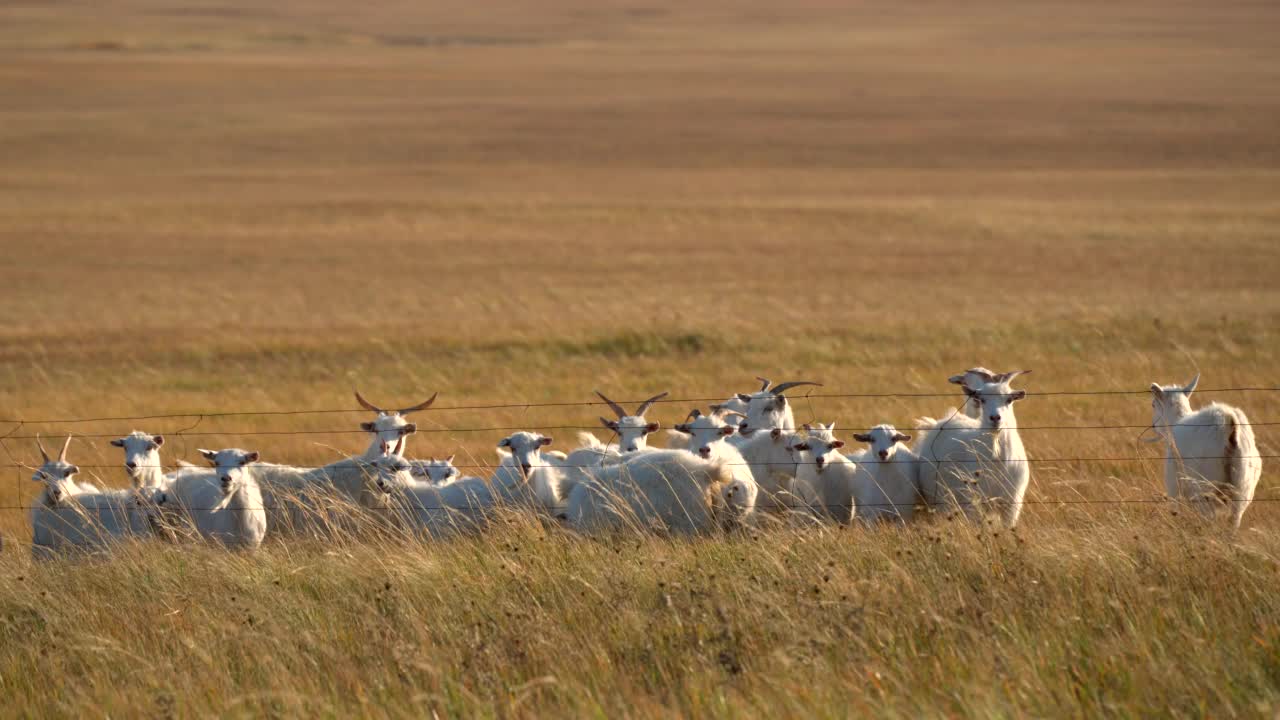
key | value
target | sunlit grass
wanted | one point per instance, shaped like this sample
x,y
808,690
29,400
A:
x,y
231,208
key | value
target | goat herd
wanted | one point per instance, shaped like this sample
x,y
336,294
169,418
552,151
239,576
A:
x,y
739,463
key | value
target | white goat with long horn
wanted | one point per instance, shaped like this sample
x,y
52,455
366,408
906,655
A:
x,y
390,429
75,515
768,408
632,430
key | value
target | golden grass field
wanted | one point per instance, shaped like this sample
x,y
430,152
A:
x,y
257,207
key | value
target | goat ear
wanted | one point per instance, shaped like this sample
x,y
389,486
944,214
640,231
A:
x,y
726,430
901,437
73,470
681,427
837,444
117,443
209,455
1017,395
608,423
367,426
775,433
969,392
744,397
504,442
807,426
653,427
544,441
158,440
1156,390
251,457
800,446
956,379
862,437
409,429
449,459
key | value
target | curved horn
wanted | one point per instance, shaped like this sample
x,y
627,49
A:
x,y
43,453
731,413
62,456
1006,377
779,389
764,383
1191,386
616,407
644,406
420,406
694,414
366,404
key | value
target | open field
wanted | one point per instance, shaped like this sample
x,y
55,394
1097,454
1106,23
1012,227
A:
x,y
231,207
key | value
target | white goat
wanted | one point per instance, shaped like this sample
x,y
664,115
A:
x,y
528,477
825,478
56,521
306,500
437,472
224,505
887,484
773,460
142,459
632,429
1211,457
670,490
633,436
974,378
768,408
708,437
390,430
437,509
976,463
74,515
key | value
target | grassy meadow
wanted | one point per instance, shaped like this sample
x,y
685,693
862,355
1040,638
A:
x,y
238,207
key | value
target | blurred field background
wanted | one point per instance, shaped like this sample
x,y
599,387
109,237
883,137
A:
x,y
234,207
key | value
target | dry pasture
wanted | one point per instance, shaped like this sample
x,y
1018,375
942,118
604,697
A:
x,y
236,207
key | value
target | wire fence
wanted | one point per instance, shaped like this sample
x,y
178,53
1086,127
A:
x,y
582,428
1063,460
587,403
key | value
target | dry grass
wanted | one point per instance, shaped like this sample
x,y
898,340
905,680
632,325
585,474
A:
x,y
230,207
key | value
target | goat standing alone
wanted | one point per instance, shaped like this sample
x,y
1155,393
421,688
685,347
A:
x,y
1211,456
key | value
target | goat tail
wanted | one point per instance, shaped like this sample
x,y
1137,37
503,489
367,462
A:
x,y
1243,466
